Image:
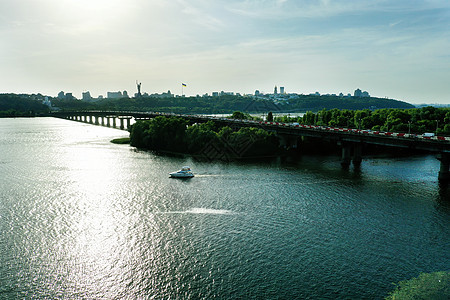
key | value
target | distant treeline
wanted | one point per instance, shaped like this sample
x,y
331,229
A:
x,y
202,105
12,105
230,103
416,120
208,140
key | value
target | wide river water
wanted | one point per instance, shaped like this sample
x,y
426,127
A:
x,y
82,218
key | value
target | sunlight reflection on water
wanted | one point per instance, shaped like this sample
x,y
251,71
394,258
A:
x,y
83,218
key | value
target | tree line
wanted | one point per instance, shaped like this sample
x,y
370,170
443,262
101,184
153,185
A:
x,y
203,105
415,120
229,103
12,105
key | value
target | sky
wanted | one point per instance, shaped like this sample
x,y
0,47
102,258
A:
x,y
398,49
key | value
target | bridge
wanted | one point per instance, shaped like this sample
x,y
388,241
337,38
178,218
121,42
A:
x,y
350,140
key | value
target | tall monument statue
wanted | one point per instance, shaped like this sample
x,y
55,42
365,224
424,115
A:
x,y
139,88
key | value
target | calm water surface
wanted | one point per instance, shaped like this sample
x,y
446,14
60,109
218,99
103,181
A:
x,y
83,218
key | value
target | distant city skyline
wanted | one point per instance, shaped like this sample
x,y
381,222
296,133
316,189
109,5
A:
x,y
391,48
124,94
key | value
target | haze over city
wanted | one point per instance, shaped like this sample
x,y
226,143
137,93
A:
x,y
396,49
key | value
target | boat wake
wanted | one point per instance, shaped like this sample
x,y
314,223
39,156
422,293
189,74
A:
x,y
209,211
200,210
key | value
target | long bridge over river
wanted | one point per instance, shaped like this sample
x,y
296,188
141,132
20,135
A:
x,y
350,140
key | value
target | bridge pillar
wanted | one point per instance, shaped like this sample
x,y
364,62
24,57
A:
x,y
444,173
288,142
90,119
346,158
103,120
351,152
107,122
121,123
128,123
357,157
114,122
96,120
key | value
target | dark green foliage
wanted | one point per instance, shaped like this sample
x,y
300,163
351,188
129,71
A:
x,y
138,134
426,286
253,142
230,103
165,134
12,105
172,134
200,135
417,120
121,141
239,115
316,103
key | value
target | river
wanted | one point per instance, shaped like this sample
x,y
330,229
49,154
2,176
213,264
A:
x,y
82,218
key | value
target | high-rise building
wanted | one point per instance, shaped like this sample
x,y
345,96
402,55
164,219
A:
x,y
69,96
86,96
275,91
114,95
281,89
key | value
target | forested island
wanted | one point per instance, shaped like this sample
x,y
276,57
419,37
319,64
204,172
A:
x,y
173,134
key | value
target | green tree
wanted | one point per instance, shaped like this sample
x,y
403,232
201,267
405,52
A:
x,y
200,135
239,115
138,134
426,286
308,118
166,133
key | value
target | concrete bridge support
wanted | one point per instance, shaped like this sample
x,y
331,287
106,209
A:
x,y
346,155
122,125
357,154
288,141
347,150
108,124
96,120
114,122
90,119
444,171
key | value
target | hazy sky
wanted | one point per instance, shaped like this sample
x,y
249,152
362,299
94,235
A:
x,y
391,48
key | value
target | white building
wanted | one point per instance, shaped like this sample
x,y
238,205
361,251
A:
x,y
114,95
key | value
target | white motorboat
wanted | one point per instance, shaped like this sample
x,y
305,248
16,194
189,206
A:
x,y
185,172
